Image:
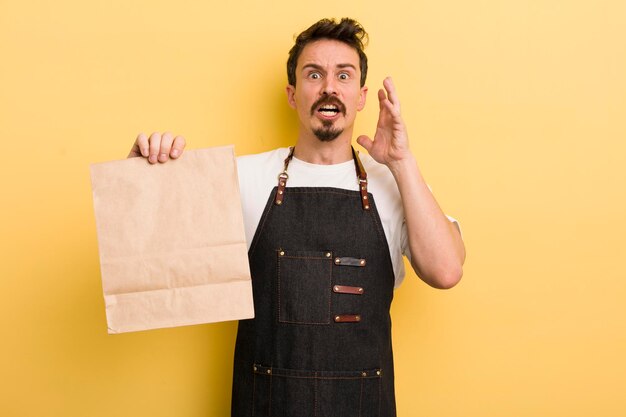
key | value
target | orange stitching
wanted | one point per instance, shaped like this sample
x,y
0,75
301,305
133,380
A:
x,y
370,375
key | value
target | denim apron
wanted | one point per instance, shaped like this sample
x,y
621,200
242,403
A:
x,y
320,342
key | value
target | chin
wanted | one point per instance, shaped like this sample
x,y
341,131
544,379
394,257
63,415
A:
x,y
327,132
327,135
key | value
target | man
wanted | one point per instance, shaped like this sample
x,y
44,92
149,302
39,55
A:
x,y
326,240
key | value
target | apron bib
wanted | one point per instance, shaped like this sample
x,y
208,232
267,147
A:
x,y
320,342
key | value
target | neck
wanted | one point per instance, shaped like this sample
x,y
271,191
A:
x,y
312,150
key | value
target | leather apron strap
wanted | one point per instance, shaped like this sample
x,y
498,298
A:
x,y
360,174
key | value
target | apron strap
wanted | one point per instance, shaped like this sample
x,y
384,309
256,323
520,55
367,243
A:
x,y
362,177
282,178
360,174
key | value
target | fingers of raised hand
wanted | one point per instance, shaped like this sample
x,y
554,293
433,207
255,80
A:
x,y
365,142
387,108
382,97
392,95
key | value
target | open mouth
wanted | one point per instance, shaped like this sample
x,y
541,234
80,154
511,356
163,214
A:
x,y
328,107
328,110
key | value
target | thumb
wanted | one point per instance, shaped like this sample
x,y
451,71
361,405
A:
x,y
365,142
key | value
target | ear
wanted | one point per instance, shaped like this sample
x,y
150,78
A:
x,y
291,95
362,97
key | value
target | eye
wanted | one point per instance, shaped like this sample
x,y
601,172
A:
x,y
344,76
315,76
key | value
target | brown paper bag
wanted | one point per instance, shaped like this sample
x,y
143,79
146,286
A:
x,y
171,241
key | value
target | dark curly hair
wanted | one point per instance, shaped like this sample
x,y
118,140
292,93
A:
x,y
348,31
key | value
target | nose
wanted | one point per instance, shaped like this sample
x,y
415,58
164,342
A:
x,y
330,87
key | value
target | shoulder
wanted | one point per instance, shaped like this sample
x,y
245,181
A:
x,y
258,173
262,161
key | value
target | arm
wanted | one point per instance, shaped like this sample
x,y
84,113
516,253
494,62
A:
x,y
435,244
157,147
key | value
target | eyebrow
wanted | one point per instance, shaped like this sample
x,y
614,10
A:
x,y
319,67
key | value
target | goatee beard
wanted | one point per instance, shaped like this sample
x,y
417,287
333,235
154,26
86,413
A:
x,y
327,132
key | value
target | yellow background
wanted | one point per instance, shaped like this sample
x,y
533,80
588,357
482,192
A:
x,y
516,111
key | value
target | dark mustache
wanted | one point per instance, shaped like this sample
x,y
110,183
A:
x,y
328,100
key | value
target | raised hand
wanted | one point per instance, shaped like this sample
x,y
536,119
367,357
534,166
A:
x,y
391,142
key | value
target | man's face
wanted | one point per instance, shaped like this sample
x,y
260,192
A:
x,y
327,94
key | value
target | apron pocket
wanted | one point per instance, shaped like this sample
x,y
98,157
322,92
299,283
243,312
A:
x,y
304,286
289,392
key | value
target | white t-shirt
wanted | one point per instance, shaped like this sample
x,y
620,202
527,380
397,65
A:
x,y
258,175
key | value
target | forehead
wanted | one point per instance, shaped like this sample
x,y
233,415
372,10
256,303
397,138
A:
x,y
328,53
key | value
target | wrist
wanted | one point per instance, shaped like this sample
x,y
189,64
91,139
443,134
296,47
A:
x,y
402,165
